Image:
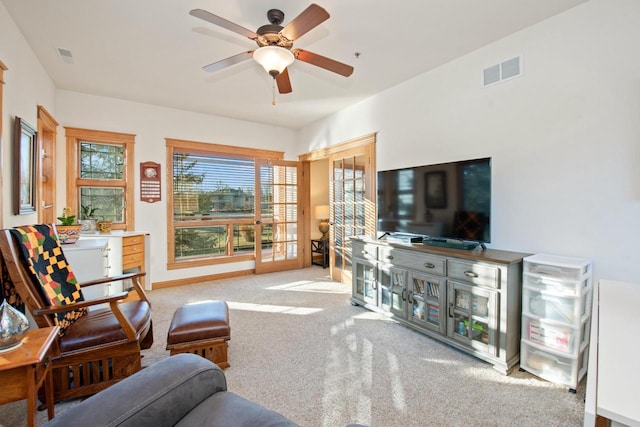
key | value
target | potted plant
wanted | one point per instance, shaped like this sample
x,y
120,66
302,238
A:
x,y
68,230
88,220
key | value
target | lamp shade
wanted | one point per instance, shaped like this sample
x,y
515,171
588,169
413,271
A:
x,y
322,212
274,59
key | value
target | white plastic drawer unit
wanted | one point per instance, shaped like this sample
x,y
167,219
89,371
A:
x,y
554,336
553,366
416,261
551,285
563,309
478,274
561,268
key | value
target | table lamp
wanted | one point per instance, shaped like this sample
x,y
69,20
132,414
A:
x,y
322,213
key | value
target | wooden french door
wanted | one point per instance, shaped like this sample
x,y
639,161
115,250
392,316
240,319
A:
x,y
277,215
352,202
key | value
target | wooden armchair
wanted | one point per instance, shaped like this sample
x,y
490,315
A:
x,y
100,347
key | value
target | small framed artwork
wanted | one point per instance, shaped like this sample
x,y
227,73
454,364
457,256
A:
x,y
150,182
24,164
435,195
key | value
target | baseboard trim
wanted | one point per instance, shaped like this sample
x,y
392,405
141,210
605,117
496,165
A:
x,y
200,279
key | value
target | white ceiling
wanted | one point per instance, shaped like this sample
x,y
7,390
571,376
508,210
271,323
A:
x,y
152,51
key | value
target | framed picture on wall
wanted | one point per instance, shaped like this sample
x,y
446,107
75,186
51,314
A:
x,y
24,164
435,190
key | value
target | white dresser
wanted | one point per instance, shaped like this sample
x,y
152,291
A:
x,y
128,252
88,259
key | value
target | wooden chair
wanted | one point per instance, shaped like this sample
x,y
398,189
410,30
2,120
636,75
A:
x,y
100,348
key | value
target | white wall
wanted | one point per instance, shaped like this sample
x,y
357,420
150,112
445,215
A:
x,y
563,137
27,85
152,125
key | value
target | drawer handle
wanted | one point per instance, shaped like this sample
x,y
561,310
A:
x,y
365,253
389,256
470,273
429,265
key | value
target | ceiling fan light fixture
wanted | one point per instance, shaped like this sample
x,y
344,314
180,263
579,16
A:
x,y
274,59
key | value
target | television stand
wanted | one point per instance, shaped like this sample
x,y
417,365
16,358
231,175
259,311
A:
x,y
470,300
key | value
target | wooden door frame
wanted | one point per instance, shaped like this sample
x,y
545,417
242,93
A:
x,y
3,68
47,141
366,143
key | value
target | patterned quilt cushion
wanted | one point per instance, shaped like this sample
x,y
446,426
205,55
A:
x,y
43,254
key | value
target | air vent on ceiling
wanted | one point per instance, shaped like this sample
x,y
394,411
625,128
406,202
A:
x,y
503,71
65,55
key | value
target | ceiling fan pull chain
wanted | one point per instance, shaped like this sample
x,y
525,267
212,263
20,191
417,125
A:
x,y
273,102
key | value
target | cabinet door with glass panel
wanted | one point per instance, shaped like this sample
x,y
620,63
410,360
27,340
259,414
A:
x,y
472,316
426,301
393,291
365,286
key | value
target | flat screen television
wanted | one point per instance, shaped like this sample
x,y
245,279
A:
x,y
446,200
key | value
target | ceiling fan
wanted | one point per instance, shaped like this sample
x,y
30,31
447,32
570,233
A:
x,y
275,44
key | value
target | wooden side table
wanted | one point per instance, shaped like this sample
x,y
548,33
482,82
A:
x,y
25,368
320,246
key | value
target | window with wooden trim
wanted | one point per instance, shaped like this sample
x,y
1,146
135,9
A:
x,y
100,175
211,203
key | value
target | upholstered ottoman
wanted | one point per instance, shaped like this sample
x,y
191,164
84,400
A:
x,y
202,329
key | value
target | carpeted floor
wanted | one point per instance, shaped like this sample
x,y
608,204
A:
x,y
300,348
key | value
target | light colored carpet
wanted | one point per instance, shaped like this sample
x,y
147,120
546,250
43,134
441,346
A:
x,y
300,348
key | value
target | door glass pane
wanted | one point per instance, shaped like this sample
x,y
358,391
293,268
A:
x,y
267,235
385,297
461,324
337,170
292,213
359,191
338,258
349,164
418,309
397,290
462,299
480,305
360,218
480,331
349,190
433,313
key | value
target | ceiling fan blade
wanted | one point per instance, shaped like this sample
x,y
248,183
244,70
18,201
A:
x,y
323,62
310,18
232,60
283,81
215,19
